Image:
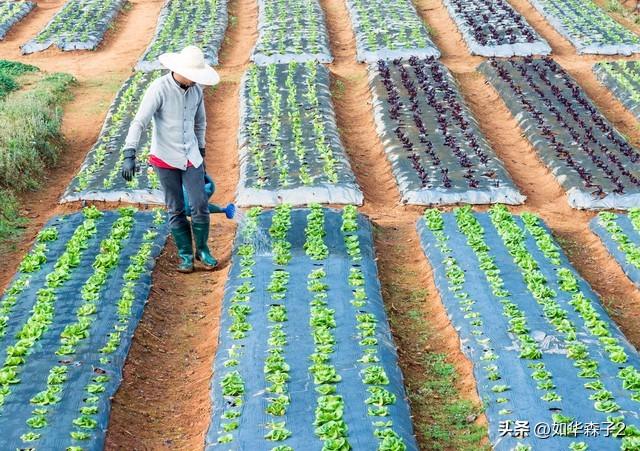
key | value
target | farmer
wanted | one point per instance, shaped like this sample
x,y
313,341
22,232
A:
x,y
175,102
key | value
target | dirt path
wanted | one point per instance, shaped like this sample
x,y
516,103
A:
x,y
163,401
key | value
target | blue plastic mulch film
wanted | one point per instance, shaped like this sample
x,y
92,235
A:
x,y
553,371
588,27
388,30
620,233
437,152
305,356
494,28
66,324
290,147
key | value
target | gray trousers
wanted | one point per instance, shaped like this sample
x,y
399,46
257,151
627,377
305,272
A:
x,y
172,181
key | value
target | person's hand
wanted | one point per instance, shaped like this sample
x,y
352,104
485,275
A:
x,y
129,164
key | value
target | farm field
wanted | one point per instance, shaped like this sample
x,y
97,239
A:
x,y
437,244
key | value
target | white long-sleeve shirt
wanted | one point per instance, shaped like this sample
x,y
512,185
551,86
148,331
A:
x,y
179,122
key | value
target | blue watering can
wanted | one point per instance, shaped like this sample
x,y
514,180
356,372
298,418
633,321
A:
x,y
210,188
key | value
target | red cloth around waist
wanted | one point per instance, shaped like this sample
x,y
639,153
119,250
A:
x,y
157,162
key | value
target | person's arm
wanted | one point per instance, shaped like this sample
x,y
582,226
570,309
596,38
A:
x,y
200,125
151,102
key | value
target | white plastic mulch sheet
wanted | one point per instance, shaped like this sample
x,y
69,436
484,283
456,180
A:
x,y
437,152
290,148
291,30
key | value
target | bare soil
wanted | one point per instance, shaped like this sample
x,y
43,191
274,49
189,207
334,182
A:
x,y
118,53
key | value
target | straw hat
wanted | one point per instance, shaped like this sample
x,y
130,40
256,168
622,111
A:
x,y
190,64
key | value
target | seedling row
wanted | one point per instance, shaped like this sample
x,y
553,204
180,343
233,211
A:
x,y
291,31
79,25
386,30
99,177
494,28
543,348
588,27
187,22
302,308
290,149
620,233
66,323
590,159
437,152
622,78
12,12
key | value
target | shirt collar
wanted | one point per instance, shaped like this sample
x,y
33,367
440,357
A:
x,y
180,85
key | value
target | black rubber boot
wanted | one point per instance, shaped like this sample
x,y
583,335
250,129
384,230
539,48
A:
x,y
203,255
182,237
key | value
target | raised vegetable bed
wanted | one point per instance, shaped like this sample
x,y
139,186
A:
x,y
187,22
387,30
66,324
11,13
543,349
590,159
588,27
305,357
290,149
99,177
494,28
79,25
291,30
437,152
623,79
620,234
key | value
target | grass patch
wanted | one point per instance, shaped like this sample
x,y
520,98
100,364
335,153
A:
x,y
30,139
452,419
10,220
338,89
9,73
443,420
15,68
